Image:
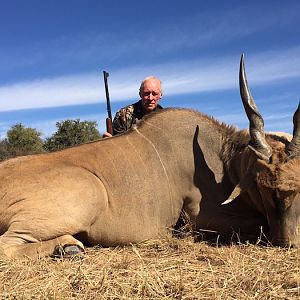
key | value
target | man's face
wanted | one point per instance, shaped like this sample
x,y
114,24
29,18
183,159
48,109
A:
x,y
150,95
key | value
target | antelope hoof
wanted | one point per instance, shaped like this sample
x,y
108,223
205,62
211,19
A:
x,y
67,250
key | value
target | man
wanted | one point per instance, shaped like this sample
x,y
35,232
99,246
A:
x,y
150,93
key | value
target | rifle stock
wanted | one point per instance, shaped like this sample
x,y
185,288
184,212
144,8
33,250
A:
x,y
109,128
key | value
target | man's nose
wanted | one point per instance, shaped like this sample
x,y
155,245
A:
x,y
151,97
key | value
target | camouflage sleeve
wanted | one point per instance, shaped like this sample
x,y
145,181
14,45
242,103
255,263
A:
x,y
123,120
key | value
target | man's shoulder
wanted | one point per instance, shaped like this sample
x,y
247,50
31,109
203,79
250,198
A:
x,y
126,112
129,109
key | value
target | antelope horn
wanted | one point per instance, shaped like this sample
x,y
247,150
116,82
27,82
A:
x,y
256,123
235,193
293,149
246,183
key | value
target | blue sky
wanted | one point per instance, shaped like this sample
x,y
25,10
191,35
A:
x,y
52,54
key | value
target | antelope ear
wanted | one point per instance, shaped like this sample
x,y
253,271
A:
x,y
245,184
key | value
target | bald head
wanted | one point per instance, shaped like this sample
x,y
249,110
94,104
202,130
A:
x,y
151,80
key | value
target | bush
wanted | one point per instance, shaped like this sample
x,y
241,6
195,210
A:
x,y
21,141
72,132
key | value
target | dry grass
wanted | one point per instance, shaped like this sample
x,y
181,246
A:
x,y
169,268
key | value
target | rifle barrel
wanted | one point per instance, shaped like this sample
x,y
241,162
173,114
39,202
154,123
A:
x,y
105,75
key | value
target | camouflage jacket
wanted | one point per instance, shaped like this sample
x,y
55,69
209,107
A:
x,y
127,116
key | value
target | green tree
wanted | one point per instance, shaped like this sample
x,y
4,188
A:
x,y
72,132
21,141
4,151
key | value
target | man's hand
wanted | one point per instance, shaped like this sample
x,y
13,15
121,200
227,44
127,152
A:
x,y
106,134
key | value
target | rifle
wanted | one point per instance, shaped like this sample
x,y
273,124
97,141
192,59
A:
x,y
109,118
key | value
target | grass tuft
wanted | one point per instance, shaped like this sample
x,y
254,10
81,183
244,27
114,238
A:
x,y
168,268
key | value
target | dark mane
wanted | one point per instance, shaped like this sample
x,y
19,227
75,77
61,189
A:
x,y
236,141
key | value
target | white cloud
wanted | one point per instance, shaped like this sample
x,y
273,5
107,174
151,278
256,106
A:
x,y
178,77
